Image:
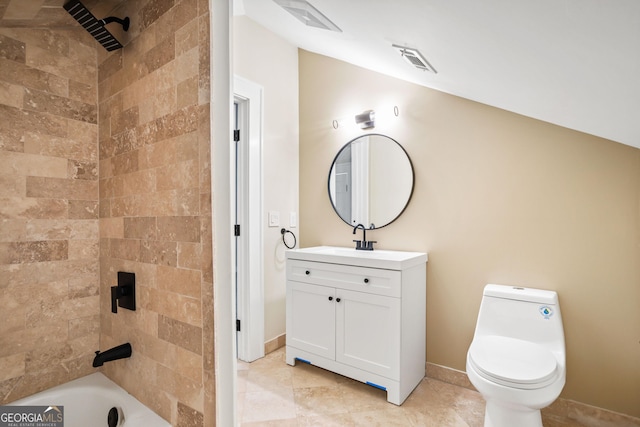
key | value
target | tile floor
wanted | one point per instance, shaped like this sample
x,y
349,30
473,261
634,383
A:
x,y
272,393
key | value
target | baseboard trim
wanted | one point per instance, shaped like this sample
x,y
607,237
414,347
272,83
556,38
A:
x,y
449,375
274,344
586,415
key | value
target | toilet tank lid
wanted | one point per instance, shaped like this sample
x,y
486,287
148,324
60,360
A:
x,y
521,294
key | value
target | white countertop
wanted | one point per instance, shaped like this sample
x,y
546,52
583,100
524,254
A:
x,y
389,260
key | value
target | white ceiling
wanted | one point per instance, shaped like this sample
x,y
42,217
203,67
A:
x,y
574,63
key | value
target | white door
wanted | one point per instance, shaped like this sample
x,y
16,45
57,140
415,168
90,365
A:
x,y
368,332
360,182
247,215
311,318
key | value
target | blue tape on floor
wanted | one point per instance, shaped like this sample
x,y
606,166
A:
x,y
377,386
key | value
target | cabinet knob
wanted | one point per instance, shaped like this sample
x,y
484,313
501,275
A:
x,y
330,298
366,280
307,272
337,299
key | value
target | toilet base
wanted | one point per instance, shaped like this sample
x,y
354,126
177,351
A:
x,y
497,415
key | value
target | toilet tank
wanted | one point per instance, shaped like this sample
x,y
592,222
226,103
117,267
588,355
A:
x,y
522,313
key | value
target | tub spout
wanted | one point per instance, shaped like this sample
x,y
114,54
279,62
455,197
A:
x,y
115,353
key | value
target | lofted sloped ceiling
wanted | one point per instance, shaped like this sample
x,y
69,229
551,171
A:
x,y
574,63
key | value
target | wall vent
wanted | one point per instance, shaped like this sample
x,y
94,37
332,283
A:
x,y
307,14
415,58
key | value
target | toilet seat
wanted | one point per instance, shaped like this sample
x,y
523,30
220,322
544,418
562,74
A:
x,y
513,362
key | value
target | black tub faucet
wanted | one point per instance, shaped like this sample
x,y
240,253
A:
x,y
363,245
119,352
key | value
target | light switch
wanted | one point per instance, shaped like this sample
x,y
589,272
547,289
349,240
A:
x,y
274,219
293,219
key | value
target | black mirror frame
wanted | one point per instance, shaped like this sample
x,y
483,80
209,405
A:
x,y
413,179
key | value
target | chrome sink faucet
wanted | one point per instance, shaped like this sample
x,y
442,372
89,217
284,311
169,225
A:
x,y
363,245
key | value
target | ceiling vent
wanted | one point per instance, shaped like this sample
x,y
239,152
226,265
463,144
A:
x,y
415,58
307,14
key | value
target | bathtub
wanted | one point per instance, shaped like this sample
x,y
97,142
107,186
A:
x,y
87,402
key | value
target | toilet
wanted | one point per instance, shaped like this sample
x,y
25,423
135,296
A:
x,y
517,357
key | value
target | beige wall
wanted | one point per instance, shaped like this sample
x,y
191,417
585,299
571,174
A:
x,y
155,208
271,62
498,198
48,209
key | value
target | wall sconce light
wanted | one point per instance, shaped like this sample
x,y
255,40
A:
x,y
366,120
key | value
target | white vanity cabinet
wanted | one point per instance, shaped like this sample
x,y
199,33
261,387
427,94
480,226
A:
x,y
360,314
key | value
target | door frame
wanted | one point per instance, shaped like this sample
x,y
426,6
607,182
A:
x,y
250,266
221,105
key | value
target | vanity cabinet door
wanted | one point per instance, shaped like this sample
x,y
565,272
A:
x,y
368,332
311,318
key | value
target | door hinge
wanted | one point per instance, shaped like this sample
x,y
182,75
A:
x,y
236,135
236,230
237,325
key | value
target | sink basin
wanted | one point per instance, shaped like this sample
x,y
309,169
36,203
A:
x,y
390,260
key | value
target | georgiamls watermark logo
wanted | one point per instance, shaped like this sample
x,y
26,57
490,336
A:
x,y
31,416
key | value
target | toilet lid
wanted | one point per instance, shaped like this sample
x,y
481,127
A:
x,y
513,362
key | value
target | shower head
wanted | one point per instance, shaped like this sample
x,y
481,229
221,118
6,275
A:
x,y
94,26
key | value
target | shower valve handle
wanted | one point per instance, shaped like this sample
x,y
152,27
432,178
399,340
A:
x,y
117,292
124,294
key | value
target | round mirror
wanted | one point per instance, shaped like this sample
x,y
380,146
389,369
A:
x,y
371,181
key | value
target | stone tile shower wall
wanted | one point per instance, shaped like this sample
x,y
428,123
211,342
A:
x,y
148,106
155,198
49,303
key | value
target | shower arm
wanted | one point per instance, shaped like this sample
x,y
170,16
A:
x,y
124,22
